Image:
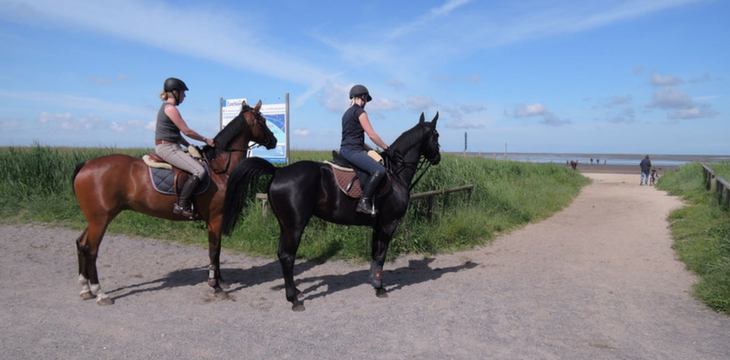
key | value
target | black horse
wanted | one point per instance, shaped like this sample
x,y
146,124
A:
x,y
307,188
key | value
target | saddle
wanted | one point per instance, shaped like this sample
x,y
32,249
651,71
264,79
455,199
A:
x,y
349,177
169,180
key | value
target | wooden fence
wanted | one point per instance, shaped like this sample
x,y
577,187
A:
x,y
428,195
717,184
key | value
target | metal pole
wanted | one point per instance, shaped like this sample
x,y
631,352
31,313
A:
x,y
286,127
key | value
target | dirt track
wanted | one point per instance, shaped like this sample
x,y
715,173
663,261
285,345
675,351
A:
x,y
598,280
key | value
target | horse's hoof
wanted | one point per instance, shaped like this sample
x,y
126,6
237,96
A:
x,y
87,295
104,301
299,294
298,306
381,293
212,282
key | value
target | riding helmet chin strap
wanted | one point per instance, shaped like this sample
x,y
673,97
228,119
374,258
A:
x,y
175,93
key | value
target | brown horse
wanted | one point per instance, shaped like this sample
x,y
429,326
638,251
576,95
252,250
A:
x,y
107,185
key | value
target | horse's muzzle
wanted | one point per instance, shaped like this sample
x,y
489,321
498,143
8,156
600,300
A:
x,y
436,159
270,143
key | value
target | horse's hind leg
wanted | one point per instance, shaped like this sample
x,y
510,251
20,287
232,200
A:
x,y
83,273
288,245
87,248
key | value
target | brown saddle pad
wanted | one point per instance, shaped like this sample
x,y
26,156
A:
x,y
349,183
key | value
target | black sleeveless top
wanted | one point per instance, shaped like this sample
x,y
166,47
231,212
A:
x,y
353,135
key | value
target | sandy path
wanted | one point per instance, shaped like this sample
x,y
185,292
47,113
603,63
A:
x,y
598,280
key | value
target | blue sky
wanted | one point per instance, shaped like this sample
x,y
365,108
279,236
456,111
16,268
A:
x,y
600,76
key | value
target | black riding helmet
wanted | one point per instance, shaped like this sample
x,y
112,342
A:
x,y
173,84
358,91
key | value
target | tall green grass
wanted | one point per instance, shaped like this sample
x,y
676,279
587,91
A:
x,y
36,187
506,195
701,232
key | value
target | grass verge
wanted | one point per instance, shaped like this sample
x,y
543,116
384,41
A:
x,y
701,232
35,187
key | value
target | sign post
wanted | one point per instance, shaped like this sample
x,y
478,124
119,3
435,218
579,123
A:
x,y
277,119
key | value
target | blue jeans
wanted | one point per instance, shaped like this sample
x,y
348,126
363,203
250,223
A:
x,y
644,178
362,161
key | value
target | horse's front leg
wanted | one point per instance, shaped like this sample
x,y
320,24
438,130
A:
x,y
382,234
215,280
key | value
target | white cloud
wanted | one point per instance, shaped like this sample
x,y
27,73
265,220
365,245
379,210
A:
x,y
552,120
9,124
537,109
45,117
420,103
464,124
301,132
626,115
619,100
660,80
206,34
395,83
529,110
671,98
693,113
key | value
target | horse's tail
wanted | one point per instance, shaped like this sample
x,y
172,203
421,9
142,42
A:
x,y
241,181
76,172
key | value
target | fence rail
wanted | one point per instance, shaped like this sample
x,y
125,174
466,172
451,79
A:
x,y
717,184
429,195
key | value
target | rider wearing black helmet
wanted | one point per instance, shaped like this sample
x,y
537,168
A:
x,y
168,140
355,124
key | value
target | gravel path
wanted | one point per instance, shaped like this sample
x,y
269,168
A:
x,y
598,280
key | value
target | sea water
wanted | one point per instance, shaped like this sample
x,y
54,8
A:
x,y
608,159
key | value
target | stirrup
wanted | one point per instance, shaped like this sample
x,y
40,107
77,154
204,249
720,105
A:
x,y
188,213
366,206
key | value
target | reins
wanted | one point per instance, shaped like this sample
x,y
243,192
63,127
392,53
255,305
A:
x,y
422,170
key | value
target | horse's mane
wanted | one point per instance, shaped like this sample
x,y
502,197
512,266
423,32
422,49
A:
x,y
409,138
232,129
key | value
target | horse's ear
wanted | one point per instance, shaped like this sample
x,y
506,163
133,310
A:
x,y
435,119
423,119
258,106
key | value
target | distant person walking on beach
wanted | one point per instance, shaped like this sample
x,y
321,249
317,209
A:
x,y
645,165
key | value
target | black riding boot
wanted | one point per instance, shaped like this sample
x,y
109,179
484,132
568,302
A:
x,y
366,203
182,207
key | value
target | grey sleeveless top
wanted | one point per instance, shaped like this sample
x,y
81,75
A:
x,y
165,128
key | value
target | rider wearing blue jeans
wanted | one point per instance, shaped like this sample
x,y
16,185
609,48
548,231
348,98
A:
x,y
355,124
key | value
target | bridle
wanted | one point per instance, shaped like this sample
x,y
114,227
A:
x,y
261,122
419,166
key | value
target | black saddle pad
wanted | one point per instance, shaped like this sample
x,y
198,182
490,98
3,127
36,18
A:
x,y
164,181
